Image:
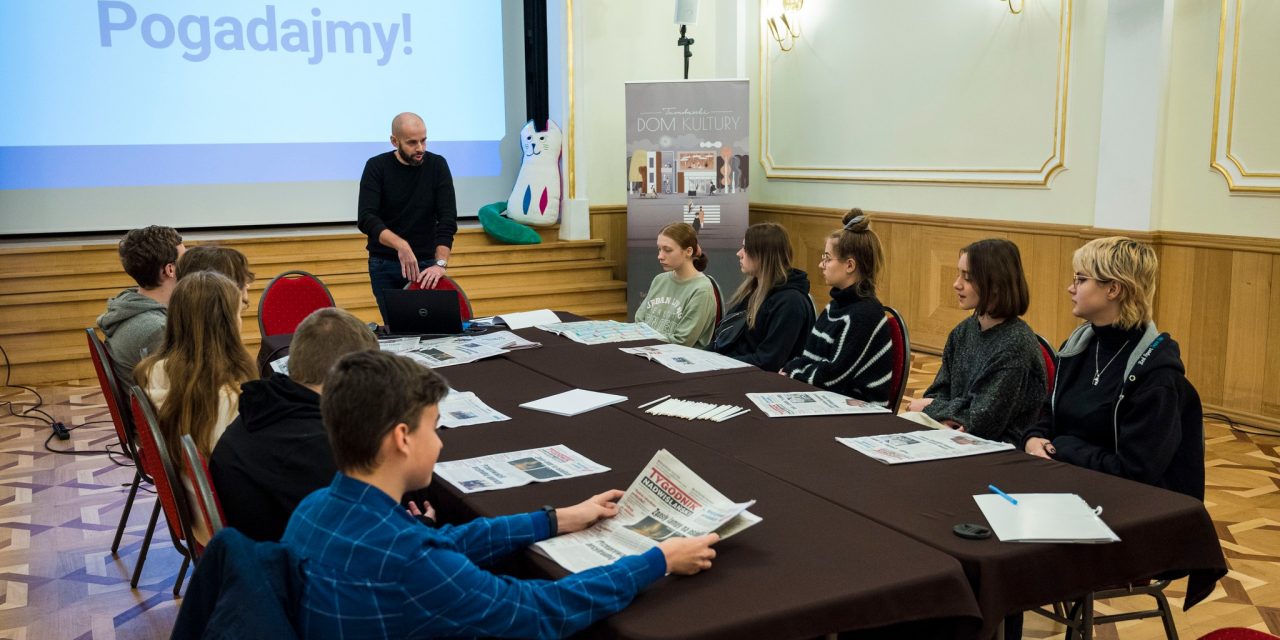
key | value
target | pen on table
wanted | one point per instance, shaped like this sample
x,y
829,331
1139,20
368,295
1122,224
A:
x,y
1002,494
654,402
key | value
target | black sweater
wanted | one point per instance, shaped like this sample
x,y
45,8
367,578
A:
x,y
782,324
415,203
273,455
1142,421
848,350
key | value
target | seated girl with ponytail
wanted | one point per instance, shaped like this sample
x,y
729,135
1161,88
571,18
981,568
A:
x,y
848,349
681,304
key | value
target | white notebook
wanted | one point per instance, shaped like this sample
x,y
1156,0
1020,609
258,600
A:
x,y
526,319
571,403
1044,517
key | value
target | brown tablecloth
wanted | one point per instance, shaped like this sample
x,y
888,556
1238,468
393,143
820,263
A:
x,y
1160,531
809,568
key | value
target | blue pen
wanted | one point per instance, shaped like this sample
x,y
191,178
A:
x,y
1002,494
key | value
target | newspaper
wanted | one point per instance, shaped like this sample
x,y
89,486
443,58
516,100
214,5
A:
x,y
666,500
464,408
281,365
516,469
446,352
682,359
934,444
502,340
399,345
811,403
603,331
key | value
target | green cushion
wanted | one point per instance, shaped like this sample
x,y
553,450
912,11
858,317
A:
x,y
505,229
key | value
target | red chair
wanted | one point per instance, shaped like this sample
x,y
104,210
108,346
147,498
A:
x,y
901,353
288,298
1238,633
1049,356
113,393
715,288
170,495
445,283
196,470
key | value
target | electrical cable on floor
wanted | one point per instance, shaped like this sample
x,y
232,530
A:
x,y
1251,429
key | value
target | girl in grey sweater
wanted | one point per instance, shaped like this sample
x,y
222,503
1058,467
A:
x,y
992,382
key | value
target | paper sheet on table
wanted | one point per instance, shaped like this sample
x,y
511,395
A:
x,y
810,403
682,359
573,402
516,468
526,319
666,500
1044,517
898,448
464,409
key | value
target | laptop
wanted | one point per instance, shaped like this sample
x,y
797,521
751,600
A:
x,y
420,312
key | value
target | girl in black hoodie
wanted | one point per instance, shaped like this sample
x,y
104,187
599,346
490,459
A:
x,y
771,314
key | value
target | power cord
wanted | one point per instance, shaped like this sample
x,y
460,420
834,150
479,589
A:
x,y
1251,429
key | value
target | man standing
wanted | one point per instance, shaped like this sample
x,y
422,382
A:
x,y
408,210
134,320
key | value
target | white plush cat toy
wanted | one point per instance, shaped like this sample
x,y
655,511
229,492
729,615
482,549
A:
x,y
535,200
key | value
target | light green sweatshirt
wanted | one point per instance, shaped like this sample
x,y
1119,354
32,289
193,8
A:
x,y
684,312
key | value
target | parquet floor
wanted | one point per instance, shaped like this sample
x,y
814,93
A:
x,y
59,580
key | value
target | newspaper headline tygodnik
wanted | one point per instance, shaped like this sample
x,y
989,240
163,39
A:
x,y
666,500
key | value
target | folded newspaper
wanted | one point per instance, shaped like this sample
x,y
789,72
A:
x,y
811,403
464,408
666,500
446,352
516,469
602,331
682,359
917,446
502,340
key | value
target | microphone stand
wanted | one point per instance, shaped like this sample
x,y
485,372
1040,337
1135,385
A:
x,y
685,42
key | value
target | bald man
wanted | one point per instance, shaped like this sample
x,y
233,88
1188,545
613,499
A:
x,y
408,210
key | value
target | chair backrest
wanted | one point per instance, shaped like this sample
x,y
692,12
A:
x,y
196,470
155,460
288,299
445,283
715,289
1049,354
901,353
112,392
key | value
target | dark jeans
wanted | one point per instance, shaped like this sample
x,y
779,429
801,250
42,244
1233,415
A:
x,y
384,273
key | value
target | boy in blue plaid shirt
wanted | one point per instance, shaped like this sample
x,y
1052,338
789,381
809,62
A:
x,y
373,571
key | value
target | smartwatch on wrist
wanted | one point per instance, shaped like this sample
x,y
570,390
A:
x,y
551,519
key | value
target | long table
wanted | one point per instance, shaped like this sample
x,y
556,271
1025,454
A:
x,y
809,568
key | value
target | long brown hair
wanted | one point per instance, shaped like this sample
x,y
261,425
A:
x,y
769,246
995,268
202,356
856,240
683,234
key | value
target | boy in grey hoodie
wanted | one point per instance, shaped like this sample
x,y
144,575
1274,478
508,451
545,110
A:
x,y
134,320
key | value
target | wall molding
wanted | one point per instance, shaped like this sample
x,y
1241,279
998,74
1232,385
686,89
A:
x,y
1016,176
1223,158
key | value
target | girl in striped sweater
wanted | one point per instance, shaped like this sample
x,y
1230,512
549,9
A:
x,y
848,350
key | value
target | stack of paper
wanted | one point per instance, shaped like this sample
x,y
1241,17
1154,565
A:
x,y
603,331
526,319
1044,517
682,359
571,403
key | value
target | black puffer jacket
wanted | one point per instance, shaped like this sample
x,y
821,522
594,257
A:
x,y
782,324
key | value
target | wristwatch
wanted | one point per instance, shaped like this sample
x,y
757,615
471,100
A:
x,y
551,519
442,263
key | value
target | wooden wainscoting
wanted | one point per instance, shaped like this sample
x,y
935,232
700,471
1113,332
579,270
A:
x,y
1216,295
50,294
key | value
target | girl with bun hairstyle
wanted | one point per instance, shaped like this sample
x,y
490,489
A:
x,y
771,314
680,304
1121,401
992,379
848,350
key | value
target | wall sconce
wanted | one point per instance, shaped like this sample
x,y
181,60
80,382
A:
x,y
785,27
1015,6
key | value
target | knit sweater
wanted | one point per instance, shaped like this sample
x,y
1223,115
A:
x,y
992,382
682,311
848,350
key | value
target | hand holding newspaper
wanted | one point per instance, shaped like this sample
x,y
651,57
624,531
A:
x,y
666,500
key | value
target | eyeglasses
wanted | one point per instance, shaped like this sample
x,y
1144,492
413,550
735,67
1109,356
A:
x,y
1078,280
826,257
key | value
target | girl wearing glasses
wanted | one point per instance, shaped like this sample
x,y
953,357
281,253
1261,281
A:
x,y
771,313
992,379
848,350
1121,403
680,304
